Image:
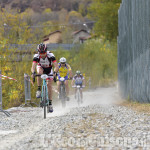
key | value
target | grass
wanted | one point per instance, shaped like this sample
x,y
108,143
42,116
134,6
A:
x,y
136,106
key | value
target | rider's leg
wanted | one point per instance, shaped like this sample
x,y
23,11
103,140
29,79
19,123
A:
x,y
49,86
39,71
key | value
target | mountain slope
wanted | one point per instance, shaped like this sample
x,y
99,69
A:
x,y
40,5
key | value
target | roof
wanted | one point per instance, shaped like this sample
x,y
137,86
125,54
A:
x,y
84,38
55,32
76,32
46,36
46,39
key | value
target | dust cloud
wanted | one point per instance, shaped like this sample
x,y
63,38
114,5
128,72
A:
x,y
100,96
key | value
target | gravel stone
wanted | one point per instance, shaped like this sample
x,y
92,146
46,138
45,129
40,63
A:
x,y
93,126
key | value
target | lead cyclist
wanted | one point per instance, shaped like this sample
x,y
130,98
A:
x,y
42,63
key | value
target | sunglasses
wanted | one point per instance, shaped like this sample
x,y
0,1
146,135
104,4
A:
x,y
62,63
42,52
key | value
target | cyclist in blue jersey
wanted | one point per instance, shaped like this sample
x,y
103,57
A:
x,y
78,79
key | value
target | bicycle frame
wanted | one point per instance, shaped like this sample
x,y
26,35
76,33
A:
x,y
44,94
62,93
78,94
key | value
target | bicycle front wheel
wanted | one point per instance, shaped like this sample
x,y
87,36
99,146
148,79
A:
x,y
63,95
78,97
44,99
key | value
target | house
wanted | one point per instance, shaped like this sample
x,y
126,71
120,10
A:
x,y
80,36
54,37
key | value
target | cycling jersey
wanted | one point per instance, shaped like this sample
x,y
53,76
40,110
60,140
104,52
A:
x,y
63,71
45,62
78,79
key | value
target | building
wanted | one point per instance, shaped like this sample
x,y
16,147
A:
x,y
54,37
80,36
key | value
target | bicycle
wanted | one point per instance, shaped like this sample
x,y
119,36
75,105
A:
x,y
44,101
62,91
78,94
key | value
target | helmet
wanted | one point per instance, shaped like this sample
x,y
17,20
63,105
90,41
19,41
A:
x,y
78,72
62,60
42,48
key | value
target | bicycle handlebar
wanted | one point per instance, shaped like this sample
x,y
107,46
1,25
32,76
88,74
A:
x,y
36,75
74,86
64,80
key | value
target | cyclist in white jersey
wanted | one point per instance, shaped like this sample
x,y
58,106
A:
x,y
42,62
78,79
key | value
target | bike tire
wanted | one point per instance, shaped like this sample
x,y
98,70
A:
x,y
63,95
78,97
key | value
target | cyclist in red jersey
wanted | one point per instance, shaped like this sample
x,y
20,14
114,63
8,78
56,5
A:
x,y
42,62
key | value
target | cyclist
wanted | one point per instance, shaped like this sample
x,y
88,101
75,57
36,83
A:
x,y
42,62
78,79
64,71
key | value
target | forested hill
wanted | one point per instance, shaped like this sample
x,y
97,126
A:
x,y
40,5
76,12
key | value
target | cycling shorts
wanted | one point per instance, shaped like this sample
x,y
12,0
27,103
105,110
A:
x,y
48,71
66,77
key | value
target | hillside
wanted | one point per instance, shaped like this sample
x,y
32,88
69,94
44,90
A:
x,y
40,5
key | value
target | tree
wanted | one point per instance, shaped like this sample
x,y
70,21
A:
x,y
105,13
14,29
75,17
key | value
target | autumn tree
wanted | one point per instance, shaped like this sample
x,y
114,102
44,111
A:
x,y
105,13
14,29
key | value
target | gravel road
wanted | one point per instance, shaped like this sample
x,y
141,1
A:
x,y
98,125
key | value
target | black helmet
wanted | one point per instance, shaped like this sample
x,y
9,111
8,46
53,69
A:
x,y
42,48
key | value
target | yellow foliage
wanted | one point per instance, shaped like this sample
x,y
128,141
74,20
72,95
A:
x,y
75,13
47,10
14,95
6,68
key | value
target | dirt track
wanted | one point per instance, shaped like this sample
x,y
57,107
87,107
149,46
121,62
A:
x,y
98,124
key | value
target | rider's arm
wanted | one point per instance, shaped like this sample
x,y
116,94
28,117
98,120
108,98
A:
x,y
72,82
33,67
35,61
53,59
70,71
56,66
84,81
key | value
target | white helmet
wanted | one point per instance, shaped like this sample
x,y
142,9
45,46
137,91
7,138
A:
x,y
62,60
78,72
